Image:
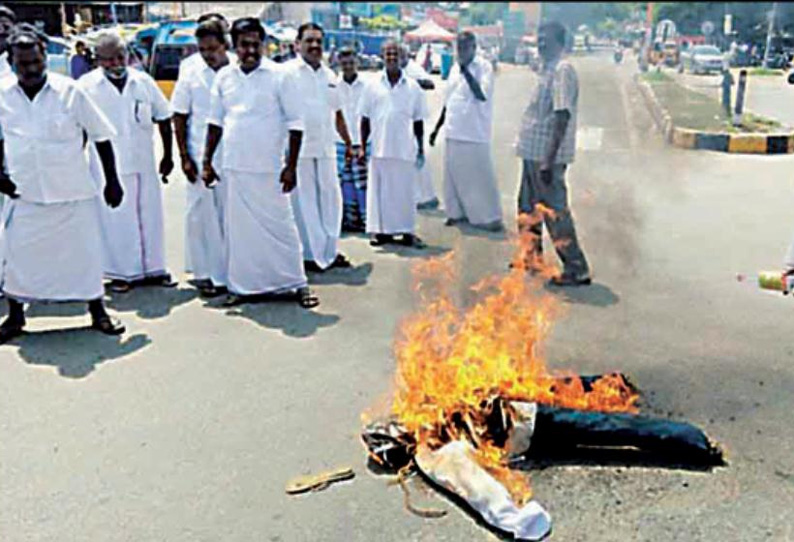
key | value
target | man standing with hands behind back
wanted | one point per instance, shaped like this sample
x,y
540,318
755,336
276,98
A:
x,y
546,144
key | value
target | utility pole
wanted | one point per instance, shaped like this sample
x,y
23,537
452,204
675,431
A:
x,y
770,31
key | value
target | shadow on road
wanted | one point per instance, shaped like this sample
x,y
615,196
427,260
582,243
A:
x,y
471,231
151,303
76,352
597,295
430,251
287,317
354,276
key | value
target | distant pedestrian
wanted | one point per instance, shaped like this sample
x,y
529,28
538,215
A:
x,y
470,191
546,144
79,63
393,109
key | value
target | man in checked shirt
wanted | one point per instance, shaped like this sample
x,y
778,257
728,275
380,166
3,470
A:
x,y
546,144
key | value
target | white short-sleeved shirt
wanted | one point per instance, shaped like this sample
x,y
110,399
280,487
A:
x,y
133,113
392,111
415,71
43,139
349,96
5,67
191,97
469,119
557,89
319,101
255,111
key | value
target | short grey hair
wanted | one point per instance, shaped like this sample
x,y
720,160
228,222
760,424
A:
x,y
110,39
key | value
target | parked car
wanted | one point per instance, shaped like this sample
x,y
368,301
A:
x,y
702,59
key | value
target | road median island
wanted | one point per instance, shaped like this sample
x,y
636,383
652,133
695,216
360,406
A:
x,y
692,120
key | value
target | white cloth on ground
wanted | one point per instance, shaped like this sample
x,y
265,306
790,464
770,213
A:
x,y
317,204
453,468
265,254
51,251
206,253
391,208
133,232
470,189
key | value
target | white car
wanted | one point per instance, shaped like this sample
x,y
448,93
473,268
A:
x,y
702,59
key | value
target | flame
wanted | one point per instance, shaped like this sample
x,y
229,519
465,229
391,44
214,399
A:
x,y
451,360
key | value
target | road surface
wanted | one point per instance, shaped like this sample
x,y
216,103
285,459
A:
x,y
188,428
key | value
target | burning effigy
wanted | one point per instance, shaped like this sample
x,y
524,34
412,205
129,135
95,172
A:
x,y
473,397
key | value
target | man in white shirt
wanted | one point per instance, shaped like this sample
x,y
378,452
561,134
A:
x,y
317,200
352,174
205,250
134,232
253,106
393,109
424,193
470,191
51,247
7,21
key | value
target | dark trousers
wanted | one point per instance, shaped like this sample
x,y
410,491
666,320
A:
x,y
555,214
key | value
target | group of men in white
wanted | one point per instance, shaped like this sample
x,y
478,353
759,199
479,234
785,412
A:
x,y
262,145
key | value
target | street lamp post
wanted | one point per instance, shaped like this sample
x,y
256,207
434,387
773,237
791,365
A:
x,y
769,32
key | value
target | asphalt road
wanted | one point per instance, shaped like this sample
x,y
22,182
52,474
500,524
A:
x,y
188,428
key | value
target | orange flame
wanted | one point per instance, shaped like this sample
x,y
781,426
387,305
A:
x,y
451,360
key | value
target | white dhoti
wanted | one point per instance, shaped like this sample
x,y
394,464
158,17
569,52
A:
x,y
470,189
423,185
205,245
391,208
317,203
51,251
265,254
132,233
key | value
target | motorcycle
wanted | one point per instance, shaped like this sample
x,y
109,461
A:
x,y
618,56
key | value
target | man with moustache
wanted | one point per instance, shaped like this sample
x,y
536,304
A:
x,y
253,107
205,254
317,200
133,233
51,246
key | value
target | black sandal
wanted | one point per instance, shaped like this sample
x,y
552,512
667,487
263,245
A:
x,y
307,299
232,300
341,262
411,240
380,239
108,326
9,332
211,291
